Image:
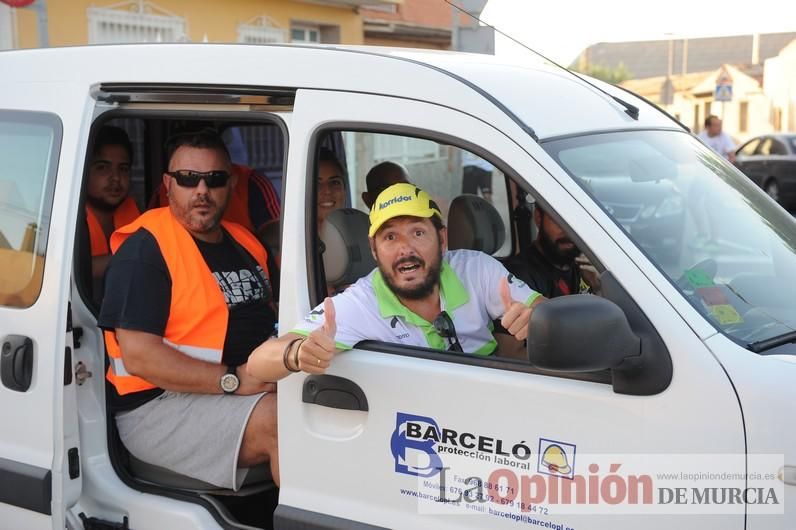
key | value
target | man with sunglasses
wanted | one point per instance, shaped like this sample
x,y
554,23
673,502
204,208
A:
x,y
187,299
420,294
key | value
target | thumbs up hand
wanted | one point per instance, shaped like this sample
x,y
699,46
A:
x,y
316,352
515,315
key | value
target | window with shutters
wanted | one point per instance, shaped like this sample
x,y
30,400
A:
x,y
261,30
134,21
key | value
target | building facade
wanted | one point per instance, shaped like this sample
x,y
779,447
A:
x,y
77,22
412,24
752,96
780,87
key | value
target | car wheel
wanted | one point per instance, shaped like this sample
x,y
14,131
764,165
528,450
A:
x,y
772,189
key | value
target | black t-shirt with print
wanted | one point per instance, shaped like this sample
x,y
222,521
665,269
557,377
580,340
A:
x,y
138,297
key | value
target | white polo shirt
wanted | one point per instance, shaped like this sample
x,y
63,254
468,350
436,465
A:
x,y
469,293
721,143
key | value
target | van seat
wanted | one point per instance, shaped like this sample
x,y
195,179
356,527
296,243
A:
x,y
347,255
473,223
258,479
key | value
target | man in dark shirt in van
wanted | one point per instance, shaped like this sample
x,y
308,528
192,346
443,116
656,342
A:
x,y
554,264
186,301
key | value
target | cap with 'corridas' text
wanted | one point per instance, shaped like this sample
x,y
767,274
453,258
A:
x,y
398,200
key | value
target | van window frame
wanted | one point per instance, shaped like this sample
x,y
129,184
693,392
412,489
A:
x,y
315,280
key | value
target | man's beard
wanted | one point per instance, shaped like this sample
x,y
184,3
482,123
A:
x,y
195,223
558,256
102,205
420,291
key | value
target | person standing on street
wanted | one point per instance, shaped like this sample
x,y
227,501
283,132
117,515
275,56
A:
x,y
716,139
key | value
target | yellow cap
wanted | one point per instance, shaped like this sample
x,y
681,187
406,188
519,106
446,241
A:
x,y
398,200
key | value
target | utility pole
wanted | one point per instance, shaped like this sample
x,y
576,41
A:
x,y
685,56
455,28
667,89
471,37
40,7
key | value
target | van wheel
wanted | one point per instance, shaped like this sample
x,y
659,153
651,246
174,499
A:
x,y
772,189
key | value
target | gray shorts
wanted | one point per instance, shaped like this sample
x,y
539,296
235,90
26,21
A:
x,y
196,435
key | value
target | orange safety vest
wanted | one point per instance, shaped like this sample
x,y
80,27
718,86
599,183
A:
x,y
124,214
198,314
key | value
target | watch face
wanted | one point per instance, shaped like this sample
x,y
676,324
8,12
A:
x,y
229,383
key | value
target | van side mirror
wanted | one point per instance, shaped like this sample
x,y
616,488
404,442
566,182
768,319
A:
x,y
586,333
580,333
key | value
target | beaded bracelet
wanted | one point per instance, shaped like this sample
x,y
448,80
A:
x,y
287,352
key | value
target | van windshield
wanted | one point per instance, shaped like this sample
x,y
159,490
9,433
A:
x,y
729,249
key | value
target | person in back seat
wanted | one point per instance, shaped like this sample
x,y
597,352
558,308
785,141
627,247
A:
x,y
108,203
554,266
420,295
187,299
331,185
380,177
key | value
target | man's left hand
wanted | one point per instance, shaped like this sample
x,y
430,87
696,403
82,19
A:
x,y
515,314
589,274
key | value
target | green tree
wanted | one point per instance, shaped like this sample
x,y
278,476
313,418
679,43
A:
x,y
606,73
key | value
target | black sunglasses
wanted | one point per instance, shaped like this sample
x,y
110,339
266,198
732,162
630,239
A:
x,y
187,178
444,326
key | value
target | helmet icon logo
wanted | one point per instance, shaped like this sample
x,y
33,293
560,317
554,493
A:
x,y
556,458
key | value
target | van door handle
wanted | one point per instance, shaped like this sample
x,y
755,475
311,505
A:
x,y
334,392
16,362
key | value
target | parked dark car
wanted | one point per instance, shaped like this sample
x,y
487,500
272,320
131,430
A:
x,y
770,162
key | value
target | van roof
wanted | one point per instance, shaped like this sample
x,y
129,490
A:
x,y
538,94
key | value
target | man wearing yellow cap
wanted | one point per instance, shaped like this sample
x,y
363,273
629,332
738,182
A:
x,y
421,294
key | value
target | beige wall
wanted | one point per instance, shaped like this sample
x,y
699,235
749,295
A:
x,y
780,75
27,31
218,20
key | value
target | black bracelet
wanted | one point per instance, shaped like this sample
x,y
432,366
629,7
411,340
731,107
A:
x,y
287,352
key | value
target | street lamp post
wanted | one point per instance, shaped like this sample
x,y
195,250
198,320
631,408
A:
x,y
667,89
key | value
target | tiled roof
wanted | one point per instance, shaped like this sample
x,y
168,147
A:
x,y
645,59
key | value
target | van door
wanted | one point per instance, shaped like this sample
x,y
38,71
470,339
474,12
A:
x,y
353,459
39,442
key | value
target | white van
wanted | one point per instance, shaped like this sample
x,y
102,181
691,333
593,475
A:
x,y
688,356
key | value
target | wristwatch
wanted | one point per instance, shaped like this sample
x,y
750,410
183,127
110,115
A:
x,y
229,381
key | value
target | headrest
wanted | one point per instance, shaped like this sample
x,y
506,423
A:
x,y
475,224
347,257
